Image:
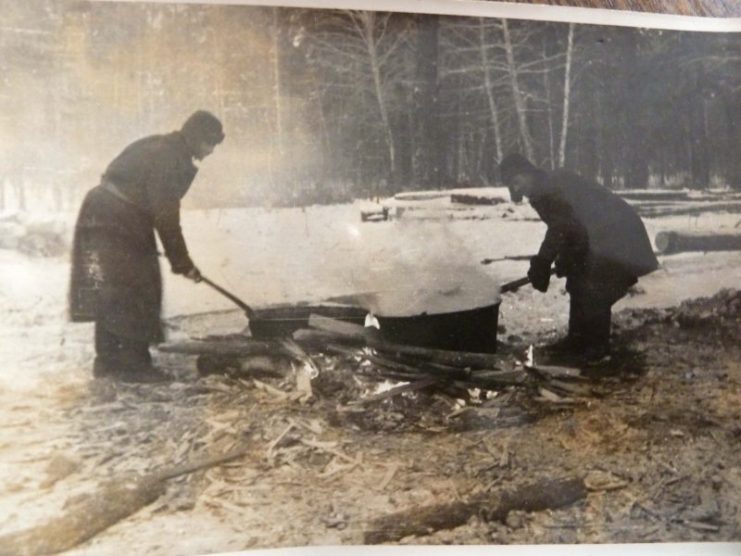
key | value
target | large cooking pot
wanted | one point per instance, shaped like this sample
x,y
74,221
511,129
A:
x,y
473,330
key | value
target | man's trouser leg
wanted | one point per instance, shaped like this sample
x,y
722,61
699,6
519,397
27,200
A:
x,y
590,319
117,355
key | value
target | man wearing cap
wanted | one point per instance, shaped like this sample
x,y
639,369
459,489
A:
x,y
594,238
116,279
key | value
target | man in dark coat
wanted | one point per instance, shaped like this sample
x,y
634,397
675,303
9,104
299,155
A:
x,y
596,240
116,279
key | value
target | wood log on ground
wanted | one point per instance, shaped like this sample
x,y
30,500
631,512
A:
x,y
492,379
230,347
421,195
477,377
346,329
669,242
319,339
555,371
420,368
244,366
87,515
468,199
461,359
375,215
689,208
535,496
400,367
655,195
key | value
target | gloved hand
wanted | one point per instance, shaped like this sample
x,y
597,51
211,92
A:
x,y
194,274
563,266
569,262
539,273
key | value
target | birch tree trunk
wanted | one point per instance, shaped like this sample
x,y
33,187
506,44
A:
x,y
525,138
566,98
551,132
275,55
367,23
428,150
493,111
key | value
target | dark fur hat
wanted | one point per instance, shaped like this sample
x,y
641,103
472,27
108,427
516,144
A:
x,y
203,126
514,164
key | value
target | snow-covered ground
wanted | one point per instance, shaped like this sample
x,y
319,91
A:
x,y
269,256
289,255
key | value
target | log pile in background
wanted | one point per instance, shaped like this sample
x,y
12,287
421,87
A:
x,y
687,208
653,195
669,242
470,199
663,202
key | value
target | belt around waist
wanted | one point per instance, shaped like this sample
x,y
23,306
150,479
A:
x,y
113,189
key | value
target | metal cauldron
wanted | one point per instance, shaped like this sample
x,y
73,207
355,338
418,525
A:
x,y
473,330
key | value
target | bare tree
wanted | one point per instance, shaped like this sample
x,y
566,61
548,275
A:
x,y
360,52
566,98
517,93
489,87
276,66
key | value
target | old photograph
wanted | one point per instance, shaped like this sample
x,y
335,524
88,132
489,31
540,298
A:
x,y
284,277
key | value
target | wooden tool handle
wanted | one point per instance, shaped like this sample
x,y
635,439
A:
x,y
238,302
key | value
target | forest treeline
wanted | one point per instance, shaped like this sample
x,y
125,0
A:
x,y
326,105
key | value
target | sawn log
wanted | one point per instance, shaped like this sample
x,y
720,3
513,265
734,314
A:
x,y
87,515
679,242
689,208
491,506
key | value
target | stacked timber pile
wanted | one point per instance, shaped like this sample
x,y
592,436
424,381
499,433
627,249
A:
x,y
37,239
654,203
458,204
688,207
475,199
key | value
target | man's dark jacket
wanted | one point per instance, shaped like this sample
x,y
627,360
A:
x,y
595,238
116,278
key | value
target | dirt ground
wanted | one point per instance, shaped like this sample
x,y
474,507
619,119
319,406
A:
x,y
658,440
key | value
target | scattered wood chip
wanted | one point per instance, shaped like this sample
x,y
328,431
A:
x,y
548,395
409,387
280,395
298,353
699,526
598,481
311,425
388,477
504,460
270,454
329,447
303,382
